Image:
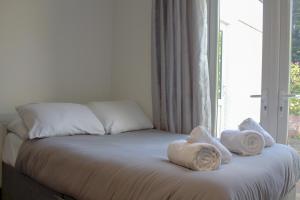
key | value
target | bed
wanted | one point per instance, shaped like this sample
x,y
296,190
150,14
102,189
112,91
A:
x,y
134,165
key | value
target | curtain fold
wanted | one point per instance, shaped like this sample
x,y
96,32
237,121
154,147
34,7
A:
x,y
180,77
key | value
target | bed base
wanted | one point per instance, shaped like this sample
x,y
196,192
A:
x,y
17,186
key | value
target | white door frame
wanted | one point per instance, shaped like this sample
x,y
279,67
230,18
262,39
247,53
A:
x,y
284,69
270,65
275,70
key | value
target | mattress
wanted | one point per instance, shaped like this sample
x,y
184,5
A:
x,y
11,147
134,165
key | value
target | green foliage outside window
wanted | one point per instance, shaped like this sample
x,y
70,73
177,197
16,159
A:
x,y
295,66
295,89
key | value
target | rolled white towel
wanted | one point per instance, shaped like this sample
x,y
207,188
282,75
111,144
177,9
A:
x,y
201,134
250,124
246,143
197,156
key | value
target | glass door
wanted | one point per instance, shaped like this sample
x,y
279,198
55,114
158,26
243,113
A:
x,y
239,67
290,89
255,77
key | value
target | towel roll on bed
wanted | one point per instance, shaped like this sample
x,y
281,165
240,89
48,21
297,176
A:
x,y
251,124
202,135
246,143
196,156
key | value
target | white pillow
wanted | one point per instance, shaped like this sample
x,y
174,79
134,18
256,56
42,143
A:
x,y
58,119
120,116
18,127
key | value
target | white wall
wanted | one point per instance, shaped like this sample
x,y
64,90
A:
x,y
55,50
131,72
74,50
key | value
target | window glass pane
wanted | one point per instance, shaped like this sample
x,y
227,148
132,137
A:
x,y
294,103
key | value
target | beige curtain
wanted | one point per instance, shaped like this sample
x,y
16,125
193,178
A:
x,y
180,77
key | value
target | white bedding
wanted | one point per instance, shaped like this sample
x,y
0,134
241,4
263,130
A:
x,y
138,160
12,144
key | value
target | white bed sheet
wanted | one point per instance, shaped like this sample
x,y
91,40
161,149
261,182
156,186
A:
x,y
11,147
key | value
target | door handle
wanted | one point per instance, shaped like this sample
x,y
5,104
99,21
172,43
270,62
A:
x,y
296,96
283,102
264,100
256,96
